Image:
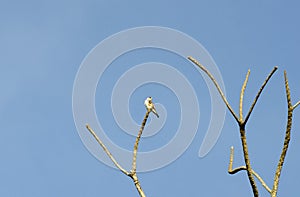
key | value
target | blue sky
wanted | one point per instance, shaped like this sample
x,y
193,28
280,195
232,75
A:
x,y
43,45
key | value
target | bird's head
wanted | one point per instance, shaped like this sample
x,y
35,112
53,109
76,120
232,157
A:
x,y
148,100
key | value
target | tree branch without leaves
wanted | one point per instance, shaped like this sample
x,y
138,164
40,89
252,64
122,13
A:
x,y
236,170
287,135
242,123
216,84
259,92
132,174
239,120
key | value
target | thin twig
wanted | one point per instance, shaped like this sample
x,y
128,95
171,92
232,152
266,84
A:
x,y
259,92
106,150
236,170
216,84
296,105
242,95
286,139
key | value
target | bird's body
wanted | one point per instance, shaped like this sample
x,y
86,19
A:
x,y
150,106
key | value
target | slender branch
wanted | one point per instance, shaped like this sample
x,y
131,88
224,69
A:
x,y
135,148
236,170
242,95
132,174
240,122
216,84
296,105
242,125
106,150
286,139
259,92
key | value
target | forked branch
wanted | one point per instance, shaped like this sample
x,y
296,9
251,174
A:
x,y
241,122
244,140
132,174
242,125
296,105
236,170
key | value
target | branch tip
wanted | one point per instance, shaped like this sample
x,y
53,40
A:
x,y
259,93
236,170
287,90
296,105
242,96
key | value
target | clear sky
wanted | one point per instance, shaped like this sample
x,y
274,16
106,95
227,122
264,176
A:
x,y
42,45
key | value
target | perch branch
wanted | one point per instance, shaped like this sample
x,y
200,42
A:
x,y
135,148
236,170
133,174
287,136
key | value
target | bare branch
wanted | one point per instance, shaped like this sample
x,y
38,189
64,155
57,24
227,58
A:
x,y
231,160
137,184
135,148
259,92
242,95
132,174
216,84
106,150
247,161
296,105
286,139
236,170
240,122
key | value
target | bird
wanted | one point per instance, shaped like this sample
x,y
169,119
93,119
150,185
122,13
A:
x,y
150,105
